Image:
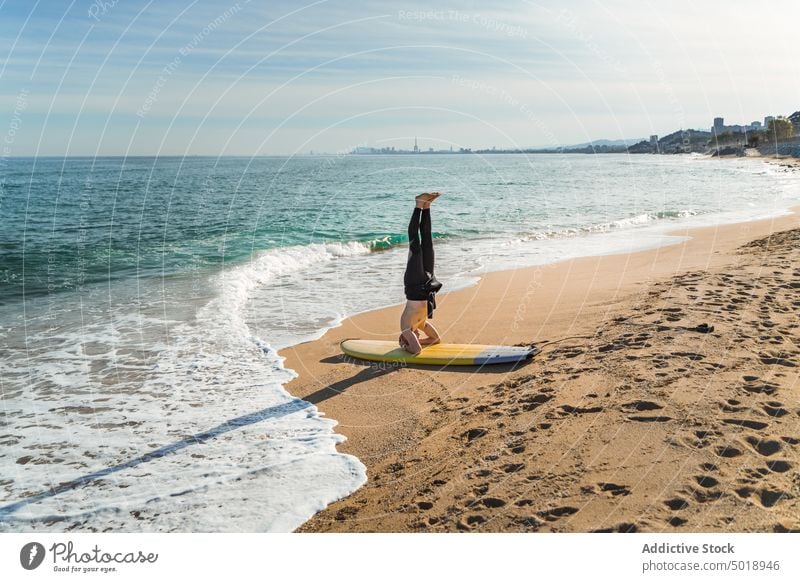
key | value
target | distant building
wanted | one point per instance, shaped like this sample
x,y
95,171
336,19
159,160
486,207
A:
x,y
416,147
795,119
654,143
767,119
720,128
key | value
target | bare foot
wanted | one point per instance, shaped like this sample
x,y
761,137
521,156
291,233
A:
x,y
427,197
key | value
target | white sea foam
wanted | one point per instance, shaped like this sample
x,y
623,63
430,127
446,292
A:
x,y
131,413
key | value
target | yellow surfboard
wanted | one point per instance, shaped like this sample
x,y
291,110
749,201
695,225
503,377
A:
x,y
437,355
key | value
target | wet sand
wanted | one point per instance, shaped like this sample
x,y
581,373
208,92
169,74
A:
x,y
632,418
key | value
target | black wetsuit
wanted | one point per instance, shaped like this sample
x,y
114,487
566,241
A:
x,y
420,282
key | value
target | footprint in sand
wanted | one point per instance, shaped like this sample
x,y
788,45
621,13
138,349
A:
x,y
778,359
754,474
765,447
744,492
754,424
728,407
532,402
529,522
642,405
779,466
677,503
775,409
706,434
481,489
713,366
614,490
704,495
764,497
780,528
620,528
571,352
754,386
706,481
479,473
471,522
568,409
557,513
690,355
346,513
660,363
645,418
474,433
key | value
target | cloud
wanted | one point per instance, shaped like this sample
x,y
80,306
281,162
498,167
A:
x,y
590,69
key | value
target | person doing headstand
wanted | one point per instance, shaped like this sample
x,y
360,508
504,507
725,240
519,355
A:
x,y
420,282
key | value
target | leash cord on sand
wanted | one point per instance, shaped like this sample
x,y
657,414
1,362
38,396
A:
x,y
702,328
558,341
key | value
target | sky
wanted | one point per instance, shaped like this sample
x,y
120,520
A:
x,y
195,77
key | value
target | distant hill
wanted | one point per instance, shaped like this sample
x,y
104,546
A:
x,y
606,143
684,141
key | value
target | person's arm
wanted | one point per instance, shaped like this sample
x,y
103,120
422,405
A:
x,y
433,335
410,342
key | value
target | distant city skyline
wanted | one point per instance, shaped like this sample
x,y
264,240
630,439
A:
x,y
248,78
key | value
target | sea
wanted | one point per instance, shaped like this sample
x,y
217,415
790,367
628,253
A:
x,y
144,303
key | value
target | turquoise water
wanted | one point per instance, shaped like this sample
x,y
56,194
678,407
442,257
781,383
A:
x,y
143,302
75,222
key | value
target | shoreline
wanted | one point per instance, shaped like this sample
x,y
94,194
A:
x,y
390,413
792,164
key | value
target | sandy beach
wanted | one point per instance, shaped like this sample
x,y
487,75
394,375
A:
x,y
634,417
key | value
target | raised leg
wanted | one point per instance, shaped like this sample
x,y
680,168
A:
x,y
427,241
415,268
